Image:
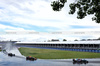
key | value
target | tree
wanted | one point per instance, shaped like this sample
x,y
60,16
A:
x,y
84,8
64,40
83,40
75,40
48,40
58,5
55,40
99,38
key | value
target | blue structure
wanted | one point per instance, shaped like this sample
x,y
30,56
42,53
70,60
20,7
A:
x,y
83,46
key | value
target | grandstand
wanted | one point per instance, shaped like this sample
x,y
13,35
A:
x,y
83,46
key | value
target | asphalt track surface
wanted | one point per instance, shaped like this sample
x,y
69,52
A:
x,y
5,60
19,60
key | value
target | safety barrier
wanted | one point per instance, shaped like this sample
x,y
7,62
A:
x,y
68,49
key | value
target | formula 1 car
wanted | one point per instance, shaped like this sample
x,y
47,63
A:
x,y
31,58
79,61
10,54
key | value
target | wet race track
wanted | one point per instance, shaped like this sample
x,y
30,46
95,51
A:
x,y
5,60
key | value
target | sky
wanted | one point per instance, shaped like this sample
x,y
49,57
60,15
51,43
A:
x,y
38,16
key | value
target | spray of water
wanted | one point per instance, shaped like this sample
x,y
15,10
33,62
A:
x,y
10,47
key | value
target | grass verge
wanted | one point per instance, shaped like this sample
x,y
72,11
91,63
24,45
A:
x,y
56,54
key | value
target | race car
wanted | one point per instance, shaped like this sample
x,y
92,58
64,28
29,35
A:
x,y
31,58
10,54
80,61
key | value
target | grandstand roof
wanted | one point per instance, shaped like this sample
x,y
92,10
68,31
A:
x,y
65,42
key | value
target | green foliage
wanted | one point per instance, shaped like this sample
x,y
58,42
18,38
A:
x,y
58,5
84,8
64,40
99,38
